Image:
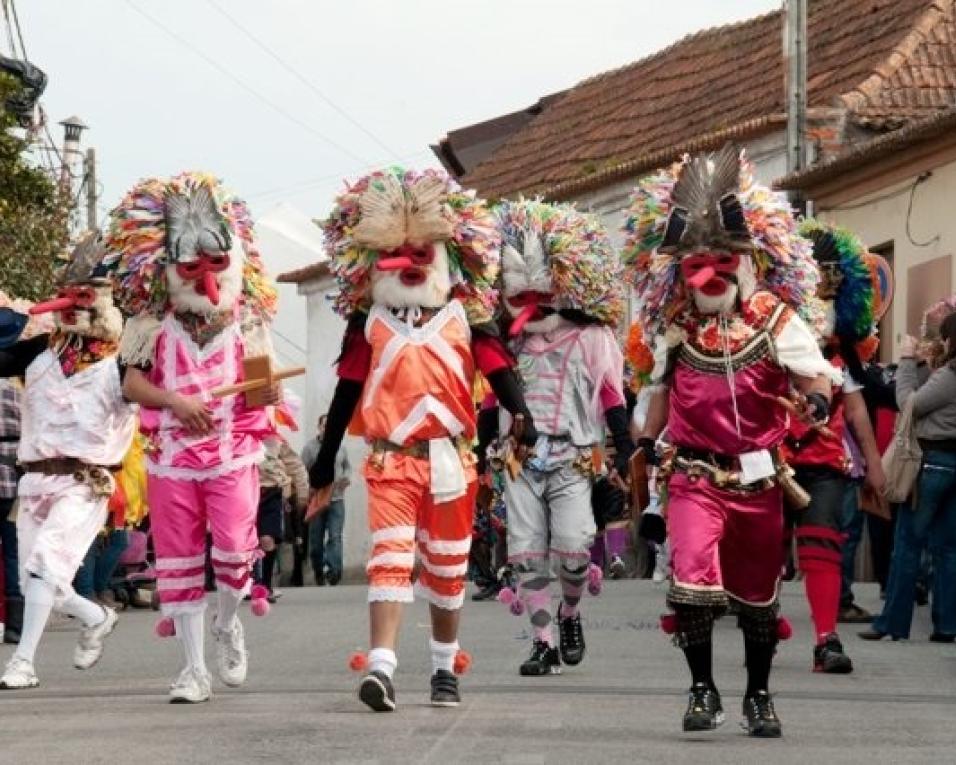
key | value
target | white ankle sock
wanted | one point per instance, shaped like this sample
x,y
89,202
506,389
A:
x,y
443,655
228,608
189,630
38,598
382,660
83,609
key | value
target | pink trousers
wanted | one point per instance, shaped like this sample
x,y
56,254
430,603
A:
x,y
180,513
724,542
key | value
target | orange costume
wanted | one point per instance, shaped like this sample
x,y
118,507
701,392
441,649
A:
x,y
416,259
417,397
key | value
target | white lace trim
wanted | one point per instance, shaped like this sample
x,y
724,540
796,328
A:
x,y
393,534
239,592
186,607
180,582
403,559
174,564
218,471
391,594
445,546
446,572
227,556
447,602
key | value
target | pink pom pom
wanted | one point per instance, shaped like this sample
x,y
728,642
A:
x,y
669,623
517,607
259,592
506,596
259,606
784,628
165,628
358,661
462,662
595,579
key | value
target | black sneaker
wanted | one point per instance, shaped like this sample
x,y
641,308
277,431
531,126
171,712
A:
x,y
704,710
544,660
829,657
572,638
376,691
445,689
761,719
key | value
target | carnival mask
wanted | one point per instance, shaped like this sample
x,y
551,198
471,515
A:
x,y
205,271
412,276
528,294
718,279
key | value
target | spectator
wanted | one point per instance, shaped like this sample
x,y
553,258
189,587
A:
x,y
325,531
93,578
280,475
932,519
9,438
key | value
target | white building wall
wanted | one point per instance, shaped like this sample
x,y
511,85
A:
x,y
323,344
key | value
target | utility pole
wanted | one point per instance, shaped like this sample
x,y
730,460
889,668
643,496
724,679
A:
x,y
795,56
89,172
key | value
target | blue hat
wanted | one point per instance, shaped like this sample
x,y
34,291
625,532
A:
x,y
11,325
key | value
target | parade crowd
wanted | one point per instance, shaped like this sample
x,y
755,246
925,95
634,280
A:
x,y
525,429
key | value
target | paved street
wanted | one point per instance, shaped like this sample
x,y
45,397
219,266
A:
x,y
623,704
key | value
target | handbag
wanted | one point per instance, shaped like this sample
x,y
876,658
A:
x,y
902,458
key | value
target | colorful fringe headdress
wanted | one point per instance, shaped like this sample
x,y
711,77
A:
x,y
388,208
854,297
782,258
585,269
137,244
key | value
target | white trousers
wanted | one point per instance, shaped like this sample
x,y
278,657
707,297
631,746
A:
x,y
57,521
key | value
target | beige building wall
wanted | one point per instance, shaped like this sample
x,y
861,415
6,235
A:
x,y
924,268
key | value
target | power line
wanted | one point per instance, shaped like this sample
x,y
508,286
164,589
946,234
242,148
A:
x,y
291,342
242,84
16,23
299,76
310,183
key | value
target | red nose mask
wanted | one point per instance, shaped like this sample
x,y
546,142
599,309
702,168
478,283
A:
x,y
66,299
529,302
406,256
203,271
708,272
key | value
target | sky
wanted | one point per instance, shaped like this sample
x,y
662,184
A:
x,y
283,99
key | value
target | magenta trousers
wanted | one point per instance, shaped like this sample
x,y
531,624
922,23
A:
x,y
725,542
181,511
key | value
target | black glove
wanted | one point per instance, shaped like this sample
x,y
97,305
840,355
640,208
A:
x,y
616,418
487,432
346,398
653,528
506,387
819,406
649,447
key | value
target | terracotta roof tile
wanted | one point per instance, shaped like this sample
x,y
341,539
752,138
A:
x,y
721,80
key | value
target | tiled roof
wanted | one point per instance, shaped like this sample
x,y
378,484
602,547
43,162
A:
x,y
727,81
939,124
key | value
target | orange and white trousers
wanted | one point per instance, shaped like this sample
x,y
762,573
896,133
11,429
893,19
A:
x,y
404,519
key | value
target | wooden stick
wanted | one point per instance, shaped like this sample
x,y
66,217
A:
x,y
248,385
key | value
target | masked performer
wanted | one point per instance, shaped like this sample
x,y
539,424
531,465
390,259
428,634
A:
x,y
416,258
563,293
719,270
819,455
75,430
189,273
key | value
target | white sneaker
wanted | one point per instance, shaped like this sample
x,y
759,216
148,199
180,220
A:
x,y
90,646
191,687
232,661
19,674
